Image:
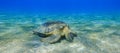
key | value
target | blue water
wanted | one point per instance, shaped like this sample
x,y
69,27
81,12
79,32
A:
x,y
96,23
59,6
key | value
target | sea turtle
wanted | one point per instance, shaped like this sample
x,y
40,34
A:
x,y
52,31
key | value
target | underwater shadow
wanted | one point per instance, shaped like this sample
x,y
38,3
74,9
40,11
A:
x,y
90,44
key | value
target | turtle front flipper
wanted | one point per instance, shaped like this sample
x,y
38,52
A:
x,y
70,36
51,39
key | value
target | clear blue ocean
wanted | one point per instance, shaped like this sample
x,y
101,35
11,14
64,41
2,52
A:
x,y
96,22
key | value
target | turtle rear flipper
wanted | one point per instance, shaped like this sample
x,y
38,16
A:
x,y
70,36
39,34
51,39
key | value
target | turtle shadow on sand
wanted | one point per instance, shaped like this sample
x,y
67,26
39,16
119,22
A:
x,y
54,31
89,44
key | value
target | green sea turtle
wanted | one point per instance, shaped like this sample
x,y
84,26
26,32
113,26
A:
x,y
53,31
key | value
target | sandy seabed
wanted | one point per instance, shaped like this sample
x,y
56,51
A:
x,y
96,34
